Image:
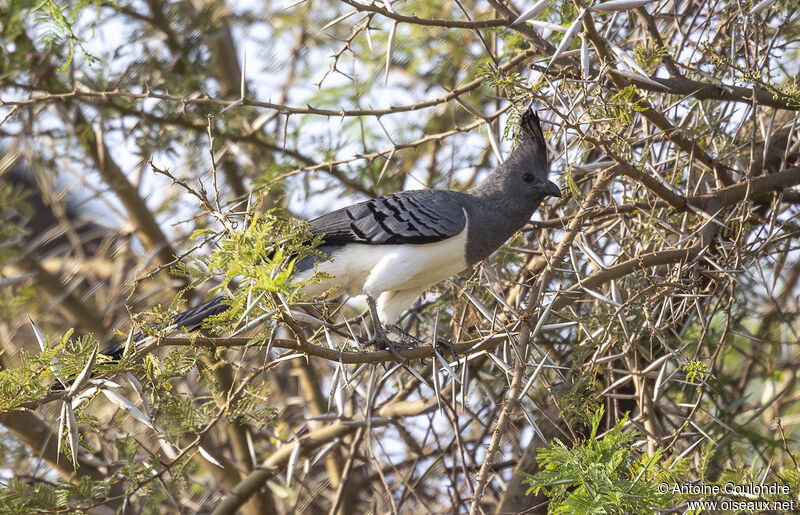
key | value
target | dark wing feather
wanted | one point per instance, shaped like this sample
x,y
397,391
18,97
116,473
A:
x,y
415,217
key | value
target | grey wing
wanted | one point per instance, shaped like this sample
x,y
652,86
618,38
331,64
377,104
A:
x,y
415,217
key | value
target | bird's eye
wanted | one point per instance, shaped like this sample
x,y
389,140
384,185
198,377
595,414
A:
x,y
527,177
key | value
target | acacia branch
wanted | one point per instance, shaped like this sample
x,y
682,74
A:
x,y
426,22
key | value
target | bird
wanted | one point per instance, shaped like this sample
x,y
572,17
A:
x,y
395,247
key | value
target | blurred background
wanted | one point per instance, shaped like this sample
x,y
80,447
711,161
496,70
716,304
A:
x,y
663,284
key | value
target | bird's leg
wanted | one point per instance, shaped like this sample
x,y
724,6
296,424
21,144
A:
x,y
380,338
380,334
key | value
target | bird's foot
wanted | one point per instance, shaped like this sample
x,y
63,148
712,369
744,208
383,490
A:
x,y
381,341
406,338
409,341
446,345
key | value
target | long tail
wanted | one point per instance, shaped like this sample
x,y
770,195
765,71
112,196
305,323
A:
x,y
190,319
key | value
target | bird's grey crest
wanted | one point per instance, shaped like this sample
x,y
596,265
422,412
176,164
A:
x,y
531,145
530,128
522,178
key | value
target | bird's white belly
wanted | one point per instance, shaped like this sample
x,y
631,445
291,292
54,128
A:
x,y
400,272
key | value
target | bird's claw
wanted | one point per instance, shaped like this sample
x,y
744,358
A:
x,y
407,339
382,341
443,344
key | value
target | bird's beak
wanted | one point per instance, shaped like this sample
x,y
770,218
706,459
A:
x,y
551,189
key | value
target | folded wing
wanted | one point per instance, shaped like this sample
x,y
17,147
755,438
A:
x,y
410,217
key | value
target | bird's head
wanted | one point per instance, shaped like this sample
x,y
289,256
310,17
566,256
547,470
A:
x,y
527,164
521,183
